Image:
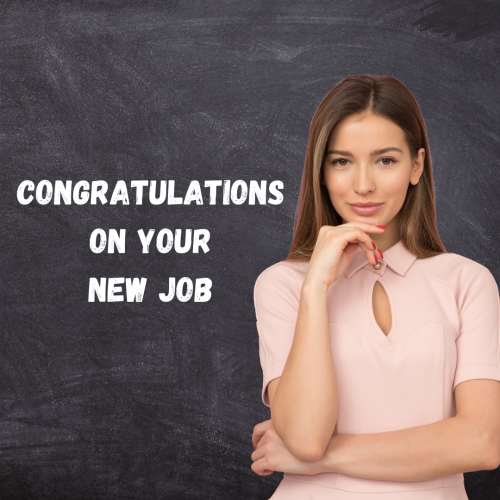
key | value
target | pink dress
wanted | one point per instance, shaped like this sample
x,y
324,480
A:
x,y
445,330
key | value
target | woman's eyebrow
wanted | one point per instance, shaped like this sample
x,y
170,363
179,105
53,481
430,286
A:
x,y
373,153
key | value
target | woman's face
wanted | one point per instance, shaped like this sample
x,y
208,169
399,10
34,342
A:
x,y
367,160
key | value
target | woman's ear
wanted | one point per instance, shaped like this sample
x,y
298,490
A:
x,y
418,166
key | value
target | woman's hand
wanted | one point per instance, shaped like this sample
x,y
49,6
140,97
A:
x,y
335,247
271,454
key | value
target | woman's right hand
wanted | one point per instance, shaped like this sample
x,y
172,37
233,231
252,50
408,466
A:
x,y
334,249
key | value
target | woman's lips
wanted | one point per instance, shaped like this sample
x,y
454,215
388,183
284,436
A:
x,y
365,210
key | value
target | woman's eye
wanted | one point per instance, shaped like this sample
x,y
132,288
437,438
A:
x,y
387,159
340,160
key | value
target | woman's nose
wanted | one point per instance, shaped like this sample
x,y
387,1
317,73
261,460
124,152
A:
x,y
363,181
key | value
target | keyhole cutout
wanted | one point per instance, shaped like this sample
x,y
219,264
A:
x,y
382,308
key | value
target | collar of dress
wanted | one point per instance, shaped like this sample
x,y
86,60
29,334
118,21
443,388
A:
x,y
397,257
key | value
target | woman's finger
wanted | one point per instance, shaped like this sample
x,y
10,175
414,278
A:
x,y
259,462
368,228
259,430
259,467
357,235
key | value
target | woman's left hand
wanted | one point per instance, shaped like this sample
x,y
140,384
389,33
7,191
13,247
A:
x,y
271,454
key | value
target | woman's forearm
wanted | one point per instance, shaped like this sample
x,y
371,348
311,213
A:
x,y
305,404
426,452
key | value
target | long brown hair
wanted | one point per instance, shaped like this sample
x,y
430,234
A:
x,y
385,96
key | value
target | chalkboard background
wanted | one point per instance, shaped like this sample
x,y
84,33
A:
x,y
158,400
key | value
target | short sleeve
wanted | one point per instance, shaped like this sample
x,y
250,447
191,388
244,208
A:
x,y
478,341
276,299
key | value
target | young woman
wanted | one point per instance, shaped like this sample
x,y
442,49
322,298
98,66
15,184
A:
x,y
379,350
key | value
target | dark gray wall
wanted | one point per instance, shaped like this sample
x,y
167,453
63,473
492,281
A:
x,y
158,401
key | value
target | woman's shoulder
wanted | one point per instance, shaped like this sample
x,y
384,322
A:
x,y
454,269
283,274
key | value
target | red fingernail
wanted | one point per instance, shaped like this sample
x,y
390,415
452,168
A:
x,y
382,227
373,245
254,446
381,256
376,260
